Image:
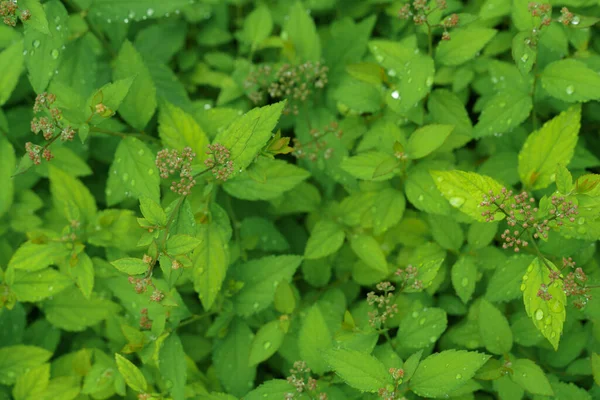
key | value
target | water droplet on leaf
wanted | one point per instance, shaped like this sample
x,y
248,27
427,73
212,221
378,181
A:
x,y
539,314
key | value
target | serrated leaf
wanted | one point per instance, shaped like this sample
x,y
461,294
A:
x,y
140,103
267,341
446,231
211,259
132,375
32,384
152,211
181,244
172,365
11,65
443,372
110,95
571,81
135,10
494,328
71,311
83,272
552,145
274,389
178,129
465,191
314,339
464,277
416,79
464,45
421,328
35,256
359,370
531,377
548,316
427,139
503,112
133,173
131,266
248,134
33,286
8,162
326,238
523,53
71,198
258,25
506,281
389,211
38,18
446,108
301,31
369,251
366,165
15,360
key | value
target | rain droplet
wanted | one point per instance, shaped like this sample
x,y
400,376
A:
x,y
464,282
457,201
525,57
24,52
570,90
141,152
523,287
267,345
125,177
576,20
422,321
392,72
420,197
36,43
396,95
429,81
539,314
132,182
54,54
150,12
255,305
548,320
432,339
150,171
581,220
415,314
458,376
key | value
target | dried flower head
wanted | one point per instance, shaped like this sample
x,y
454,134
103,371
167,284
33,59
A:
x,y
219,161
174,162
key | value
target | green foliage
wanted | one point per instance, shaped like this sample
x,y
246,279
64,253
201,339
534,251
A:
x,y
308,199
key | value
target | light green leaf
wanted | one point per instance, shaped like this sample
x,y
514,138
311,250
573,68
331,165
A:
x,y
315,339
178,129
552,145
135,10
211,259
465,191
326,238
152,211
443,372
503,112
8,162
494,328
531,377
131,266
71,198
38,18
359,370
285,298
301,31
359,96
71,311
15,360
369,251
132,375
447,108
33,256
261,278
133,173
464,46
548,316
421,328
265,180
32,384
35,286
83,272
248,134
66,160
571,81
181,244
427,139
523,52
110,95
366,166
464,277
416,79
564,180
481,234
11,65
267,341
44,51
389,211
506,281
172,365
274,389
140,103
258,25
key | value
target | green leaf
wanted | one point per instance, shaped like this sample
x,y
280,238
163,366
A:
x,y
258,25
44,50
267,341
552,145
315,339
369,251
152,211
301,31
140,103
38,18
359,370
132,375
261,278
33,256
15,360
571,81
481,234
464,277
506,281
181,244
447,108
131,266
427,139
523,52
446,231
326,238
71,311
443,372
285,298
133,173
564,180
494,328
71,198
248,134
503,112
83,272
35,286
464,46
416,79
595,360
32,384
178,129
11,65
230,359
135,10
274,389
531,377
359,96
172,365
111,95
389,211
421,328
265,180
366,166
465,191
8,162
548,316
211,259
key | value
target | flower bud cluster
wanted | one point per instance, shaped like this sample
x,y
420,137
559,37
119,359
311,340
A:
x,y
145,322
8,12
573,284
302,381
542,10
566,17
419,10
172,162
409,277
318,144
219,161
390,392
384,309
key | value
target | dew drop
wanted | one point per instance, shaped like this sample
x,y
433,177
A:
x,y
255,305
523,287
556,306
132,182
570,90
525,57
432,339
458,376
150,12
422,321
429,81
24,52
420,197
548,320
415,314
150,171
141,152
553,335
392,72
267,345
457,201
464,282
581,220
54,54
396,95
539,314
576,20
36,43
125,177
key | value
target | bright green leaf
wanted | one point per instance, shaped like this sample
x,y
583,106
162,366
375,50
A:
x,y
132,375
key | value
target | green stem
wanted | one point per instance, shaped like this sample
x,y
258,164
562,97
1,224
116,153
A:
x,y
194,318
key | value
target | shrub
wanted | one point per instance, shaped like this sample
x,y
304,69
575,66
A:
x,y
326,199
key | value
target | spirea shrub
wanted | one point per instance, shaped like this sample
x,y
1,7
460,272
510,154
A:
x,y
308,200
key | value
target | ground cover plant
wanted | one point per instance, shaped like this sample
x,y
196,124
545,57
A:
x,y
282,199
